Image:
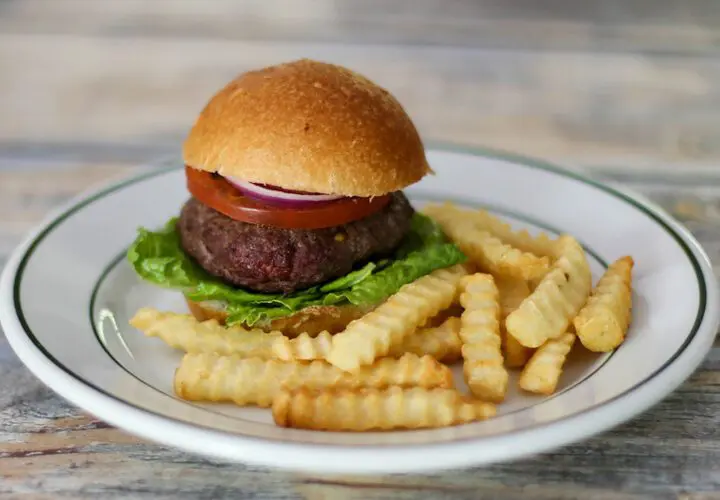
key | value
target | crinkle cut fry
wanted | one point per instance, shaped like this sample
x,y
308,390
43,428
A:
x,y
541,245
303,347
441,342
512,293
602,324
515,354
542,373
248,381
483,364
481,220
489,252
184,332
549,310
375,334
373,409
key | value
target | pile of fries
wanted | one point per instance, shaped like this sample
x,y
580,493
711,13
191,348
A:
x,y
519,303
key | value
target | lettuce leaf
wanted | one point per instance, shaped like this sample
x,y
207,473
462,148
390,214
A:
x,y
158,258
402,271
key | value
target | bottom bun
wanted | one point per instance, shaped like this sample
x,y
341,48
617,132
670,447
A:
x,y
311,320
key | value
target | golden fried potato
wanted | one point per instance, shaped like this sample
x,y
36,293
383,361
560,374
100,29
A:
x,y
373,409
514,353
490,253
541,245
248,381
184,332
549,310
454,311
602,324
542,373
375,334
303,347
512,293
441,342
483,366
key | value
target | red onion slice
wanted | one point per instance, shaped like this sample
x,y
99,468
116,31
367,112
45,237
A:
x,y
274,197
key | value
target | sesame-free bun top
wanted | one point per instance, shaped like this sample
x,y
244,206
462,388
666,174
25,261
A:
x,y
308,126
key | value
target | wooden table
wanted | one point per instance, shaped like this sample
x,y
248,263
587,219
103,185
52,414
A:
x,y
625,89
49,449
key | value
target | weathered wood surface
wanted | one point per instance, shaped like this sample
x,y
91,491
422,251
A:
x,y
49,449
627,88
687,27
615,83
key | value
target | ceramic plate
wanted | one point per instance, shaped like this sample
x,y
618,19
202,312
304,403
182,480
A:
x,y
67,294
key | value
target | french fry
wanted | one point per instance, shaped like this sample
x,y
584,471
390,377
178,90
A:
x,y
489,252
184,332
248,381
372,336
441,342
303,347
541,244
512,294
542,373
483,366
454,311
373,409
549,310
514,353
492,244
602,324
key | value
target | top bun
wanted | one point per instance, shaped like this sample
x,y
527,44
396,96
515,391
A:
x,y
308,126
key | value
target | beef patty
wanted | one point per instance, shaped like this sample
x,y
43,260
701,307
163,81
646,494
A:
x,y
272,259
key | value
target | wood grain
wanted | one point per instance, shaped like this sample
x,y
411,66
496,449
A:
x,y
623,84
619,25
49,449
626,89
589,109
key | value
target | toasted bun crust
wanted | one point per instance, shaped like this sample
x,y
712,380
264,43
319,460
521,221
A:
x,y
311,320
308,126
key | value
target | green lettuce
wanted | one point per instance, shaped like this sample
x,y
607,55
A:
x,y
158,258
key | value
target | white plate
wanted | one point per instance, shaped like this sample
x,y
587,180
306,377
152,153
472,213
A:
x,y
71,275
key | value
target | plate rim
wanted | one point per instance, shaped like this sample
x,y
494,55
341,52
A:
x,y
289,455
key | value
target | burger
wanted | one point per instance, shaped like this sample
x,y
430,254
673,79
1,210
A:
x,y
296,220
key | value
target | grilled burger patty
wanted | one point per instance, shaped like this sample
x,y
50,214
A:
x,y
271,259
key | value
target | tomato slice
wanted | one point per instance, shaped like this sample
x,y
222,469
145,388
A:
x,y
217,193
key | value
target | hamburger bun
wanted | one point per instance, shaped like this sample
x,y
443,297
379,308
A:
x,y
308,126
311,320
